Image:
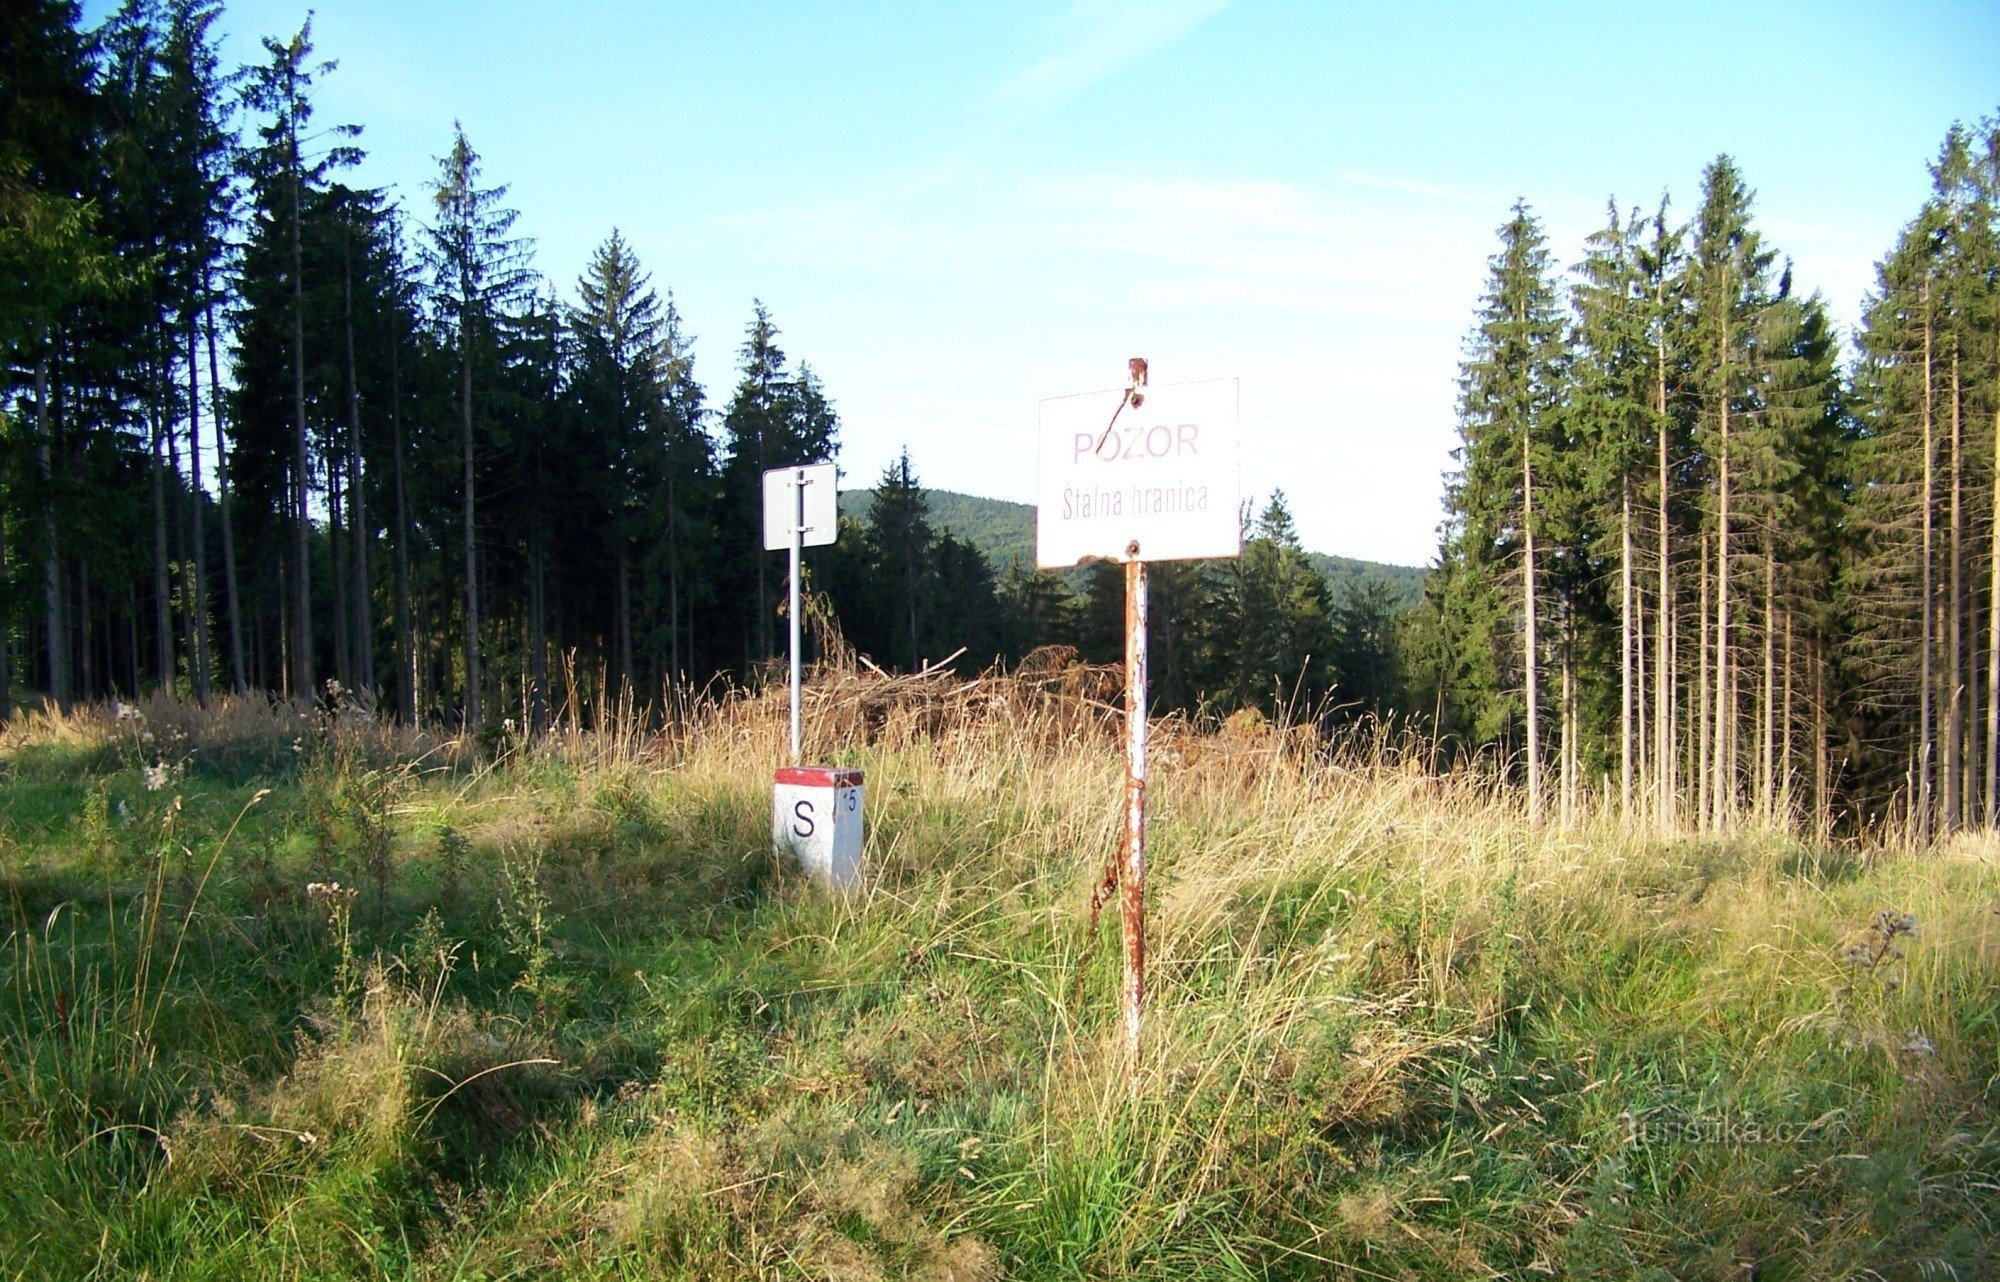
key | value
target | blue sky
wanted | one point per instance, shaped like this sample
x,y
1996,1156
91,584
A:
x,y
954,210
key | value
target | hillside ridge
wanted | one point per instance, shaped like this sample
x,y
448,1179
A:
x,y
1003,529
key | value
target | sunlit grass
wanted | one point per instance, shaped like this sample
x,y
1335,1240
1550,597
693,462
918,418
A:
x,y
329,999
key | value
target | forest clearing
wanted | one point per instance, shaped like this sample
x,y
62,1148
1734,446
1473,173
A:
x,y
1600,880
297,993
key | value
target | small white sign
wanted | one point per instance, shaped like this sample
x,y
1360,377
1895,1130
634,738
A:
x,y
782,509
1161,475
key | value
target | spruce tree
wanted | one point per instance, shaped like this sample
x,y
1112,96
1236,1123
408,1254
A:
x,y
1510,389
902,555
281,176
479,276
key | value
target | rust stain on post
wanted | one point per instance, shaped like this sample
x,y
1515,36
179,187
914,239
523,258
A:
x,y
1132,873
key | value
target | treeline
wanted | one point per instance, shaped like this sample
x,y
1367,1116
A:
x,y
266,429
1699,563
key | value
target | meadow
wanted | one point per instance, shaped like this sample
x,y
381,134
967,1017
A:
x,y
287,992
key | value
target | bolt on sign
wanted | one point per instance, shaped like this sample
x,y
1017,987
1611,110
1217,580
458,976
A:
x,y
1144,474
815,810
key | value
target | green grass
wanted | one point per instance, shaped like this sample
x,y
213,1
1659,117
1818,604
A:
x,y
566,1016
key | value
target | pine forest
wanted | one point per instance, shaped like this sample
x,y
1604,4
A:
x,y
1704,562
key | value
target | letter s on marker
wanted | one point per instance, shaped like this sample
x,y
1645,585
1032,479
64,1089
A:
x,y
803,816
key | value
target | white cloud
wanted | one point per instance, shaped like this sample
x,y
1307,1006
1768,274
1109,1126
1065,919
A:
x,y
1095,39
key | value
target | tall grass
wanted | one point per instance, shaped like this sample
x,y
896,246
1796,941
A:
x,y
335,999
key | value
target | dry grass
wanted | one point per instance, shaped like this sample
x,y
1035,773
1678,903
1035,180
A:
x,y
1393,1031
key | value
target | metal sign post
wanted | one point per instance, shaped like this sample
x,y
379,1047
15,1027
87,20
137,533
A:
x,y
1156,481
801,510
1132,876
815,810
792,604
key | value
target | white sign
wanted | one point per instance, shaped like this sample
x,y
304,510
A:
x,y
782,508
1161,475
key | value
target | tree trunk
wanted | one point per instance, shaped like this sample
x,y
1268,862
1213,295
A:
x,y
82,682
406,650
1665,675
357,523
1923,782
1704,775
1954,734
1529,657
1569,757
336,558
1993,644
1767,784
624,616
1625,650
177,554
1642,763
198,597
302,638
1722,790
163,612
473,719
236,660
538,639
58,663
674,585
1822,803
1788,720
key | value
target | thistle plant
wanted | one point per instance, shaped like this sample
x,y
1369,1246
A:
x,y
337,901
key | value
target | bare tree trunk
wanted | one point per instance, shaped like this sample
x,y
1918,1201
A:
x,y
1822,780
674,586
473,718
1993,645
538,639
302,639
132,658
1767,801
177,553
1954,734
228,530
1722,791
58,659
82,683
624,614
163,611
1569,758
1531,654
357,523
1704,776
406,650
1664,675
1642,763
1625,650
198,595
1923,798
1788,720
336,556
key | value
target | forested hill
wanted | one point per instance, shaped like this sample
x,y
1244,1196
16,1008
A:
x,y
1003,530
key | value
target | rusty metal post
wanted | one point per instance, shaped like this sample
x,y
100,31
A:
x,y
1132,875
